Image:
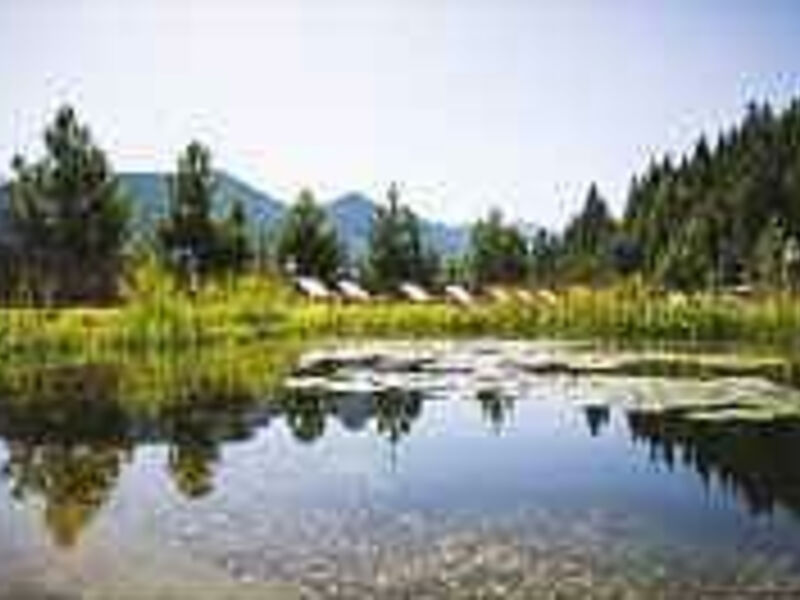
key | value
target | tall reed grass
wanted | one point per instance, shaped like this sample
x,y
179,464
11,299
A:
x,y
158,316
623,313
155,315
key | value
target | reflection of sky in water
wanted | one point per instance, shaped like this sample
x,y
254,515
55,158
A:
x,y
546,470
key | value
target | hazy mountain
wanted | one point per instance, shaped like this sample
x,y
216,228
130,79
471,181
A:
x,y
448,239
351,213
149,197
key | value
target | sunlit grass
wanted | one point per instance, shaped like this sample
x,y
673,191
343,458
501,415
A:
x,y
154,316
157,316
611,314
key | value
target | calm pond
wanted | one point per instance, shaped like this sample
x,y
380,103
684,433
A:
x,y
402,470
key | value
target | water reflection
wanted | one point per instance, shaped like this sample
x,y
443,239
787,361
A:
x,y
497,408
305,411
754,461
70,431
66,438
597,418
395,412
195,426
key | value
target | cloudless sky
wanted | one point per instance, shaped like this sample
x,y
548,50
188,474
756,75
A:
x,y
466,103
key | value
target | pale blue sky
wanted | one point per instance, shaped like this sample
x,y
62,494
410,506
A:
x,y
467,103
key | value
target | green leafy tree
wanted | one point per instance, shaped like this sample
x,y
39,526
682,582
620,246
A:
x,y
499,252
307,240
396,252
68,217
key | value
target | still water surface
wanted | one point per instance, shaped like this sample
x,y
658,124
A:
x,y
479,469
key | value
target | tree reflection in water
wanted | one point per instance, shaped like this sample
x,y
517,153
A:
x,y
395,412
67,438
305,411
69,431
195,425
496,408
597,417
755,461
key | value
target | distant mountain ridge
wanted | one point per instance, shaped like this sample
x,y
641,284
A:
x,y
351,213
149,195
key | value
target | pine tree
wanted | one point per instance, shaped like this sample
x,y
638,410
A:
x,y
308,242
499,252
719,200
68,217
544,255
396,252
591,230
192,240
234,250
188,236
768,259
791,264
587,241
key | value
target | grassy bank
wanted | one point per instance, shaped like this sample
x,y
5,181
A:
x,y
613,314
156,317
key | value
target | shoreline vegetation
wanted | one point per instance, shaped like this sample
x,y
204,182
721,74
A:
x,y
707,250
158,316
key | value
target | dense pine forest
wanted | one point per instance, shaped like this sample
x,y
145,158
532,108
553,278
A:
x,y
728,212
725,214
